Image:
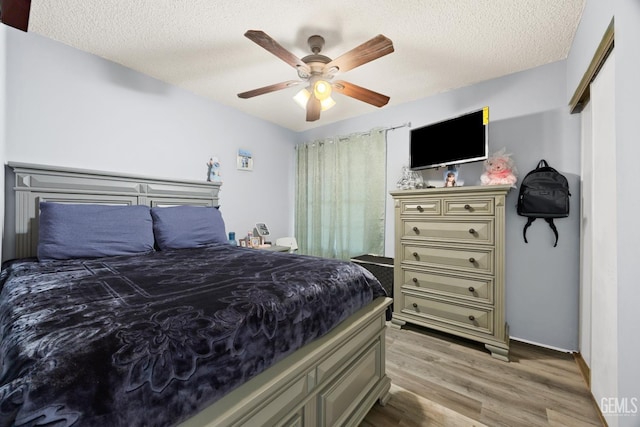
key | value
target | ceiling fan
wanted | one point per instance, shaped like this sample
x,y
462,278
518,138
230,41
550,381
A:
x,y
318,71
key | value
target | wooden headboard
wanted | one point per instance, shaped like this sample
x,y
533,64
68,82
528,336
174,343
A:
x,y
27,185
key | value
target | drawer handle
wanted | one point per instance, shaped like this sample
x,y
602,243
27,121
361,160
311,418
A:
x,y
415,254
414,280
420,208
472,318
416,230
472,289
472,231
467,207
472,260
415,305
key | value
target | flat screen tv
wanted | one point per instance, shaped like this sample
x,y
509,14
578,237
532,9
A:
x,y
462,139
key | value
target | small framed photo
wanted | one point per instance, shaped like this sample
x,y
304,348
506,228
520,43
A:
x,y
245,160
256,242
450,178
243,243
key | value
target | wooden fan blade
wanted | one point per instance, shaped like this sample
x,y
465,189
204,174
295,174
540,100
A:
x,y
360,93
267,89
265,41
373,49
313,109
15,13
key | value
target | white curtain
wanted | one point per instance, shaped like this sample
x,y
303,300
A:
x,y
340,199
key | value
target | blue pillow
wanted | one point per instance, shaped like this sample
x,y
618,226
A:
x,y
178,227
89,231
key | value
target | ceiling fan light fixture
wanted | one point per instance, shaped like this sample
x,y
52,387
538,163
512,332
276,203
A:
x,y
322,90
327,103
302,97
316,72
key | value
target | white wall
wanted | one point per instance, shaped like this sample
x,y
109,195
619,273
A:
x,y
528,116
70,108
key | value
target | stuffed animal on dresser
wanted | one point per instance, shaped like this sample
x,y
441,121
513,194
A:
x,y
499,169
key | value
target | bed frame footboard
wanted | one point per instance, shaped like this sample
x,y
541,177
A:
x,y
333,381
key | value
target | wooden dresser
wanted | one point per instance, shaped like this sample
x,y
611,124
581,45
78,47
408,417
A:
x,y
449,267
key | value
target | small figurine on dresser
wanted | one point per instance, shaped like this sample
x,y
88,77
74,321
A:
x,y
213,170
451,180
499,169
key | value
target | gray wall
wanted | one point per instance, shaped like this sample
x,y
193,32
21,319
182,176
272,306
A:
x,y
73,109
70,108
528,116
596,18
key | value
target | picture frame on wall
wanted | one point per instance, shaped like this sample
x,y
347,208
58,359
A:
x,y
244,160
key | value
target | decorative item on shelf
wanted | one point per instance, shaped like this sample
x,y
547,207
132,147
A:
x,y
499,170
451,177
213,170
262,231
232,238
245,160
410,179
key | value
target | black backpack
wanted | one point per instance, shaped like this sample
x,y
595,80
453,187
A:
x,y
544,193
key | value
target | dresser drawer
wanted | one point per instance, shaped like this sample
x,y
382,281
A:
x,y
421,207
469,288
467,231
480,320
470,206
478,260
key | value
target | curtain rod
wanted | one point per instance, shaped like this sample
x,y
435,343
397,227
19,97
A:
x,y
407,124
343,137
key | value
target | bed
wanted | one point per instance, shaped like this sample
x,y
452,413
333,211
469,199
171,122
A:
x,y
178,335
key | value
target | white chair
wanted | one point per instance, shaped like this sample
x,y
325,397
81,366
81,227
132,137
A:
x,y
291,242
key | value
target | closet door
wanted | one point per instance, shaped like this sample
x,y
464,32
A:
x,y
603,237
586,233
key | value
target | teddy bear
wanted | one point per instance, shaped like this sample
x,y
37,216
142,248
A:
x,y
499,169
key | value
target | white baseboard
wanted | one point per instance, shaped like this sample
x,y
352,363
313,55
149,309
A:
x,y
564,350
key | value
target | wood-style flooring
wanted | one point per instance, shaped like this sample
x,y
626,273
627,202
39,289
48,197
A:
x,y
440,380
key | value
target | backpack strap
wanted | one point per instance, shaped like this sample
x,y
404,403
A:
x,y
548,220
542,164
527,225
553,227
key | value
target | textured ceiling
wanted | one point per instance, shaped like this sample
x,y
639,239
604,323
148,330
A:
x,y
199,44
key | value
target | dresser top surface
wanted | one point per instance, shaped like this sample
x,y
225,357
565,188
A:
x,y
473,189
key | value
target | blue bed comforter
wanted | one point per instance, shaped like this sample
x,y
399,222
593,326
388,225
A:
x,y
150,340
